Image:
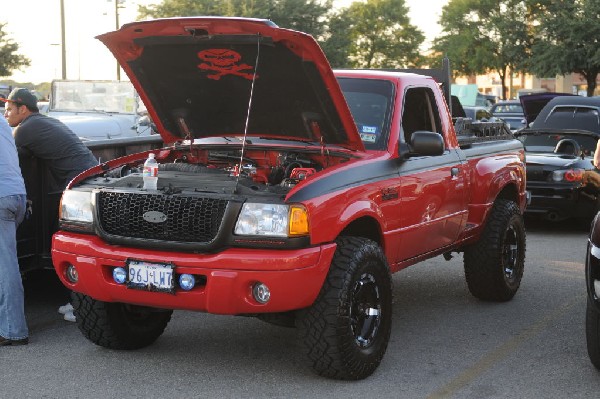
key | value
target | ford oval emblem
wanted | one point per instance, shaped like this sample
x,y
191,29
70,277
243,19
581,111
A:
x,y
154,217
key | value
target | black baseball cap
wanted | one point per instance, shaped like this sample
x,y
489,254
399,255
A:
x,y
22,96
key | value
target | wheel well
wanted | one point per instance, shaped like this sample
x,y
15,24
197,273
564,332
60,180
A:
x,y
509,192
364,227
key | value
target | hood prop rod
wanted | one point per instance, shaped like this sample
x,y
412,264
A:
x,y
239,167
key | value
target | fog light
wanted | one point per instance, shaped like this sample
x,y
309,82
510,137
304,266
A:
x,y
71,274
261,293
119,275
187,282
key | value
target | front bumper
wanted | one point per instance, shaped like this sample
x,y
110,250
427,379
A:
x,y
294,277
560,202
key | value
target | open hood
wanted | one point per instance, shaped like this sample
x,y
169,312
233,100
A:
x,y
534,103
215,76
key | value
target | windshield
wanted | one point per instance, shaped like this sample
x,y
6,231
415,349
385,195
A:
x,y
99,96
370,102
571,117
546,142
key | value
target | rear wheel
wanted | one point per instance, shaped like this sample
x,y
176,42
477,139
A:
x,y
346,331
592,333
117,325
494,265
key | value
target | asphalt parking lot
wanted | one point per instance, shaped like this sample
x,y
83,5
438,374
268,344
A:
x,y
444,343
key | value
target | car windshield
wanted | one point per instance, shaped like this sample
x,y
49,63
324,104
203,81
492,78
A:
x,y
98,96
370,103
507,109
566,117
546,142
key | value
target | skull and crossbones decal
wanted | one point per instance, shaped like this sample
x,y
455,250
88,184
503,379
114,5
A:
x,y
223,62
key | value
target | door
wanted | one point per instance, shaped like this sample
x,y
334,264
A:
x,y
433,195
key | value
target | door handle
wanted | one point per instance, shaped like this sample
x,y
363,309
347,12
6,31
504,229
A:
x,y
454,171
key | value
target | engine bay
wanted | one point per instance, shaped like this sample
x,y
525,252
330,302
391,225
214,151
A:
x,y
222,171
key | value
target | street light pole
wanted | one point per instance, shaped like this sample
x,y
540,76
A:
x,y
63,39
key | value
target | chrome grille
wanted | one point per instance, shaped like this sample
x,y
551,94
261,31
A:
x,y
188,219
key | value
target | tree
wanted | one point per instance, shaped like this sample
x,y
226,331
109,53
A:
x,y
381,35
567,40
481,36
302,15
9,59
336,42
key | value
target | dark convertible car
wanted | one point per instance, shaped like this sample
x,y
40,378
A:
x,y
560,143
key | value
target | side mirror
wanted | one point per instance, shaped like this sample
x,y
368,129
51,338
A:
x,y
427,143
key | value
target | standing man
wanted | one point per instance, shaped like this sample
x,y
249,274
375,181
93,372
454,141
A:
x,y
51,140
46,138
13,326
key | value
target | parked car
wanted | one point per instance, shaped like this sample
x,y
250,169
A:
x,y
295,210
561,180
511,112
592,279
478,113
98,109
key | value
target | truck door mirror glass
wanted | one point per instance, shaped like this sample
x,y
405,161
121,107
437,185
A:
x,y
427,143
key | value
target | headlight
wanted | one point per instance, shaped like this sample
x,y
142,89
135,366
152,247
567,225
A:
x,y
272,220
76,206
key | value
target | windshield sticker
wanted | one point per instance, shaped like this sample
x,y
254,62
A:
x,y
368,138
221,62
368,134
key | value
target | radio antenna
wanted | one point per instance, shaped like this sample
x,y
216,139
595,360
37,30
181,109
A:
x,y
239,167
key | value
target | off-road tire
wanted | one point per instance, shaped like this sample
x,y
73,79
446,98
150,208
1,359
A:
x,y
346,331
592,333
117,325
494,265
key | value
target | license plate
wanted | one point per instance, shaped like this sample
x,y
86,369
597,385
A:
x,y
150,276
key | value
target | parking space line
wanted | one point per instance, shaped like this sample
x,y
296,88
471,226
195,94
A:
x,y
485,363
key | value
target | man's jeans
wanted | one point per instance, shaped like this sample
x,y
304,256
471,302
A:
x,y
12,301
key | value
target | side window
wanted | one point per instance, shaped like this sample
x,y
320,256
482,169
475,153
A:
x,y
420,112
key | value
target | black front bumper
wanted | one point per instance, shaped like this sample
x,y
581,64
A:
x,y
559,202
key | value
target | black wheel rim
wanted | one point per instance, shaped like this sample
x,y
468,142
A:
x,y
365,311
510,253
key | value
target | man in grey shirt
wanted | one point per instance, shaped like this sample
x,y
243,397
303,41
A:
x,y
13,326
46,138
49,139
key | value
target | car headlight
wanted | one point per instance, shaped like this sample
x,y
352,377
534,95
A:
x,y
272,220
76,206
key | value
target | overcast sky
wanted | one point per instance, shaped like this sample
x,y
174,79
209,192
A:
x,y
35,26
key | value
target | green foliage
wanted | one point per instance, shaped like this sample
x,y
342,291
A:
x,y
9,59
566,40
381,35
336,43
302,15
482,36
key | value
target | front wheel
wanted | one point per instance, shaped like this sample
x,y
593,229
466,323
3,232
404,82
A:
x,y
494,265
117,325
346,331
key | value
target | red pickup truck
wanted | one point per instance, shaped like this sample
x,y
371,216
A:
x,y
287,191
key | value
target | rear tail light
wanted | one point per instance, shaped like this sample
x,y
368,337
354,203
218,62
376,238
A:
x,y
568,175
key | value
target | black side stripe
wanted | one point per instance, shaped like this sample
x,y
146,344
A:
x,y
371,173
